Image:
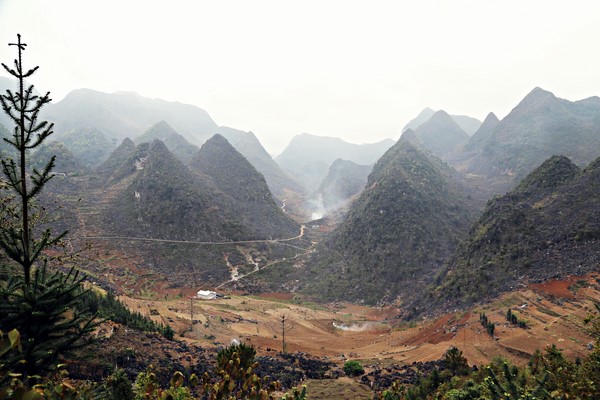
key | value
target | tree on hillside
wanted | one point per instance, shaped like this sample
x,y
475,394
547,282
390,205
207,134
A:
x,y
38,303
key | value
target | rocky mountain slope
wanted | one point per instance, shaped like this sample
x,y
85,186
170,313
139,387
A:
x,y
157,196
164,200
547,227
251,200
65,163
281,184
109,168
482,134
409,218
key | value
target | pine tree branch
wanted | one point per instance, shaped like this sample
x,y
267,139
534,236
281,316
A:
x,y
10,246
39,180
10,71
10,171
30,72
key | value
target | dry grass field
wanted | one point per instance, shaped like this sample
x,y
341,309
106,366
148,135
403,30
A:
x,y
553,312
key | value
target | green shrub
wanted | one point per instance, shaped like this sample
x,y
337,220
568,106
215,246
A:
x,y
353,368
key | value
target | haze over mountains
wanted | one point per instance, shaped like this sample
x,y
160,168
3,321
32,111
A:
x,y
344,180
307,158
441,134
466,123
540,126
127,114
414,214
541,223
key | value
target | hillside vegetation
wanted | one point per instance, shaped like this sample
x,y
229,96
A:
x,y
547,227
410,217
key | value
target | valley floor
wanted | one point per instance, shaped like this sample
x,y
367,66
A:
x,y
554,314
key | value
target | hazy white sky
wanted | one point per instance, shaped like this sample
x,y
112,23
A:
x,y
358,70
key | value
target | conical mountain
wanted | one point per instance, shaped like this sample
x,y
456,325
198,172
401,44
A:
x,y
483,133
116,159
548,227
165,200
281,184
89,145
419,119
466,123
176,143
554,172
441,135
540,126
409,218
237,178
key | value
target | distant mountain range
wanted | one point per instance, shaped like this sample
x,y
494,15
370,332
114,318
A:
x,y
182,127
414,234
411,237
126,114
466,123
176,143
307,158
540,126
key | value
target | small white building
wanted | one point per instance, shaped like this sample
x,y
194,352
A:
x,y
206,295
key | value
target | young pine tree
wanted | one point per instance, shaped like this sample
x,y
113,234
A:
x,y
38,303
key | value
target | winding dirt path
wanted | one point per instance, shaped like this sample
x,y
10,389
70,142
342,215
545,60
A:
x,y
141,239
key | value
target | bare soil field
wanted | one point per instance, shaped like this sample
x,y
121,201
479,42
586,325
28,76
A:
x,y
553,311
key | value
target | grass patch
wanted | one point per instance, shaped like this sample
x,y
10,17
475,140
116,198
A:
x,y
277,303
225,306
310,305
549,312
580,284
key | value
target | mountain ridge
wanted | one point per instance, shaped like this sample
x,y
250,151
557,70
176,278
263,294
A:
x,y
397,233
547,227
